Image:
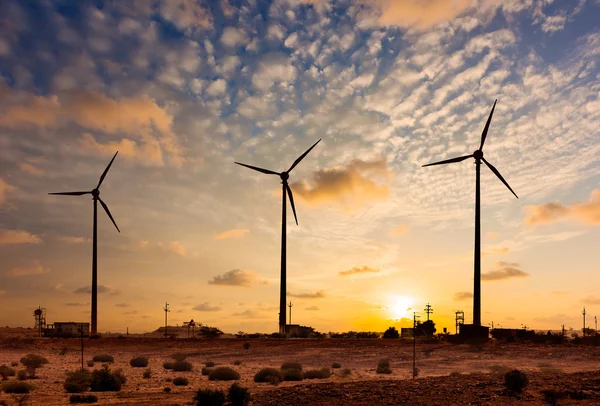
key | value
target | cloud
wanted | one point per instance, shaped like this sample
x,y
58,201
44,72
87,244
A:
x,y
250,313
356,270
173,246
506,270
233,37
460,296
4,189
237,277
206,307
73,240
491,234
102,289
312,308
273,68
308,295
234,233
122,305
591,300
401,229
350,185
495,251
34,268
30,169
587,212
140,117
18,237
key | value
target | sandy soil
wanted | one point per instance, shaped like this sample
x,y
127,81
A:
x,y
569,367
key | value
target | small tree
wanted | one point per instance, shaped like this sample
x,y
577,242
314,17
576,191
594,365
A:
x,y
32,362
209,332
391,332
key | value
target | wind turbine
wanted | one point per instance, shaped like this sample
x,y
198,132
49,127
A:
x,y
285,188
478,156
96,198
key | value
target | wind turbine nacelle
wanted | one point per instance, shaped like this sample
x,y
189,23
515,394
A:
x,y
95,193
478,154
284,176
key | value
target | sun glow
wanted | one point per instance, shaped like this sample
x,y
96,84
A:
x,y
401,306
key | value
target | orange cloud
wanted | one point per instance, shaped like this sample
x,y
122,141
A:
x,y
4,188
356,270
506,270
401,229
141,117
234,233
73,240
18,237
308,295
237,277
174,246
34,268
30,169
350,185
460,296
587,212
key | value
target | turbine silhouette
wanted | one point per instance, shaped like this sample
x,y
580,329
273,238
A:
x,y
285,188
478,156
96,197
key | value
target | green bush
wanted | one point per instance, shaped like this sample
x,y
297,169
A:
x,y
78,381
17,387
168,365
90,363
6,371
104,358
238,395
336,365
291,365
223,374
139,362
180,381
182,366
322,373
292,375
147,374
383,367
209,397
209,364
270,375
515,381
103,380
32,362
83,399
22,375
206,371
237,362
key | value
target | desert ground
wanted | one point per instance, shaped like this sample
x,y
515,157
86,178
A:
x,y
448,373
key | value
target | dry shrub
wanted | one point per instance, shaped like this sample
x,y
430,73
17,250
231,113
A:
x,y
104,358
209,397
103,380
17,387
6,371
181,381
346,372
292,375
322,373
336,365
270,375
552,396
383,367
139,362
206,371
238,395
83,399
515,381
168,365
223,374
182,366
209,364
246,346
237,362
22,375
291,365
147,374
90,363
179,356
32,362
78,381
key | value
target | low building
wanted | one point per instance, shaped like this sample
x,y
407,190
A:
x,y
407,332
67,329
298,331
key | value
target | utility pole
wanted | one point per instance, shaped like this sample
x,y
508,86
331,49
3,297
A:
x,y
563,330
166,309
290,306
428,310
81,334
596,325
414,368
583,312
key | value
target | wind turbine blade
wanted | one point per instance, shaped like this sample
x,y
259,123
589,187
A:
x,y
297,161
108,212
70,193
499,176
289,190
106,170
256,168
450,161
487,126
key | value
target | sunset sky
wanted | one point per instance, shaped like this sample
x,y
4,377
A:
x,y
182,89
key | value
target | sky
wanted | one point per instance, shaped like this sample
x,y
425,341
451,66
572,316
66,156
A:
x,y
184,88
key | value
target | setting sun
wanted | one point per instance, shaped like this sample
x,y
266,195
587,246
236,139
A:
x,y
401,306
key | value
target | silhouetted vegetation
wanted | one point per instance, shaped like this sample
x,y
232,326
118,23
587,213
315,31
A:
x,y
391,332
209,364
83,399
22,375
63,351
104,358
238,395
292,375
336,365
14,364
168,365
426,328
78,381
355,334
139,362
291,365
206,371
182,366
209,332
17,387
6,371
180,381
179,356
322,373
237,362
32,362
383,367
346,372
166,389
223,374
270,375
209,397
515,381
246,346
552,396
147,374
90,363
103,380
